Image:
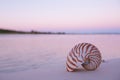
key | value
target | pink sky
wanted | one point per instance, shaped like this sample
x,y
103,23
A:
x,y
63,15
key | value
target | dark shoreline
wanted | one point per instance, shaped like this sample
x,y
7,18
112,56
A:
x,y
7,31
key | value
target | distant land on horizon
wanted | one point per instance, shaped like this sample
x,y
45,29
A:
x,y
9,31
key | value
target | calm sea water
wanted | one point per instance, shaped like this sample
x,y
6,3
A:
x,y
25,52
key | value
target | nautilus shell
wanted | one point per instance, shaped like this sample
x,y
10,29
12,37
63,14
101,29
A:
x,y
85,54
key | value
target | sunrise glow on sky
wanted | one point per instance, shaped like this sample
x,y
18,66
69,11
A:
x,y
61,15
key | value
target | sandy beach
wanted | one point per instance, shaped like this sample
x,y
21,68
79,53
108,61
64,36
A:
x,y
52,67
107,71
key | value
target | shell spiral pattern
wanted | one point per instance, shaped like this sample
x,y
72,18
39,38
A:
x,y
86,54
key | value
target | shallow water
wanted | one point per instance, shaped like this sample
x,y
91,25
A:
x,y
25,52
